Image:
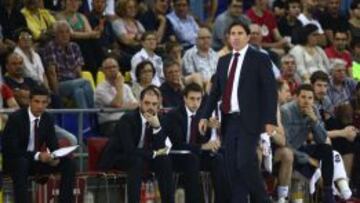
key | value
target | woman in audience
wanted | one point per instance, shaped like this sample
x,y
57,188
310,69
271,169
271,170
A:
x,y
174,51
308,55
127,29
144,73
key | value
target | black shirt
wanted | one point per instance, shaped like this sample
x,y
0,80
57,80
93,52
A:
x,y
171,97
328,22
11,22
287,29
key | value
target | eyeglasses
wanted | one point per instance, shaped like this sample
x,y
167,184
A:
x,y
204,37
25,36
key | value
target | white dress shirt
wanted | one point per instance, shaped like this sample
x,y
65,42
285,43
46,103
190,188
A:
x,y
143,126
234,102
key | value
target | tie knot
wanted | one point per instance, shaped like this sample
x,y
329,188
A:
x,y
147,125
36,121
236,54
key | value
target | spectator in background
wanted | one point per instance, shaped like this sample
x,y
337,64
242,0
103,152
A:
x,y
22,86
233,13
65,75
38,20
354,21
144,74
279,8
341,87
154,19
332,20
149,44
201,58
171,89
83,35
308,55
10,18
289,23
288,72
184,25
34,68
174,51
261,15
112,93
127,29
256,41
339,49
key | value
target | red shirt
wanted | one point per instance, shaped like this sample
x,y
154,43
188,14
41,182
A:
x,y
267,20
331,53
6,92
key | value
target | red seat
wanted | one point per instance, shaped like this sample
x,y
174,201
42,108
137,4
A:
x,y
95,147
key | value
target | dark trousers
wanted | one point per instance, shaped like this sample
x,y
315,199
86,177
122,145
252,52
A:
x,y
323,153
214,163
241,162
22,167
189,166
135,168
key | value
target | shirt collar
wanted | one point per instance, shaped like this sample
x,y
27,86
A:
x,y
188,112
242,51
31,115
143,120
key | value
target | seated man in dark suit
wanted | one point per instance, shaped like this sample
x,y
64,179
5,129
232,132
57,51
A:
x,y
138,142
27,133
181,127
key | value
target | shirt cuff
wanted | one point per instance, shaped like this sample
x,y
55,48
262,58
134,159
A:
x,y
154,154
37,156
156,130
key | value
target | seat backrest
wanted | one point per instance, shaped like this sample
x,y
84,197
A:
x,y
95,147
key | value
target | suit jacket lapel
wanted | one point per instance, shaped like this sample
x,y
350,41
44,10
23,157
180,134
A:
x,y
225,70
138,126
245,66
184,121
26,124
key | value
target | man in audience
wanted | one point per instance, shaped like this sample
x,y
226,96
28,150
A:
x,y
339,49
203,152
201,58
21,86
154,19
233,13
28,140
184,25
299,119
148,53
112,93
172,87
138,142
288,72
63,63
341,86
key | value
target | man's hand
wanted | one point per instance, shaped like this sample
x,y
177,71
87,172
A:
x,y
314,162
350,133
214,123
161,152
119,81
54,162
45,157
152,119
203,125
270,129
310,113
212,146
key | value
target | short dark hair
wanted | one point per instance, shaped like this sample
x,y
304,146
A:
x,y
151,89
319,75
287,3
146,34
169,63
18,32
192,87
305,33
342,31
39,90
141,66
239,23
304,87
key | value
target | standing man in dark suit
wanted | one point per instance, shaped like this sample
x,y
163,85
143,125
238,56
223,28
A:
x,y
182,128
28,138
138,142
246,86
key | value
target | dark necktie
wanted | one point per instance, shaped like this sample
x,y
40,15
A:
x,y
226,99
193,130
148,134
36,135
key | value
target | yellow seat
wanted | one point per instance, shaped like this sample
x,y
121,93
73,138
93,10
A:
x,y
127,77
100,77
88,76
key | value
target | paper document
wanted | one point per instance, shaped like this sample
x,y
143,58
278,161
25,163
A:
x,y
64,151
179,152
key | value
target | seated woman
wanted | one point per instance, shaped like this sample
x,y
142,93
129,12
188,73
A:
x,y
144,73
127,29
